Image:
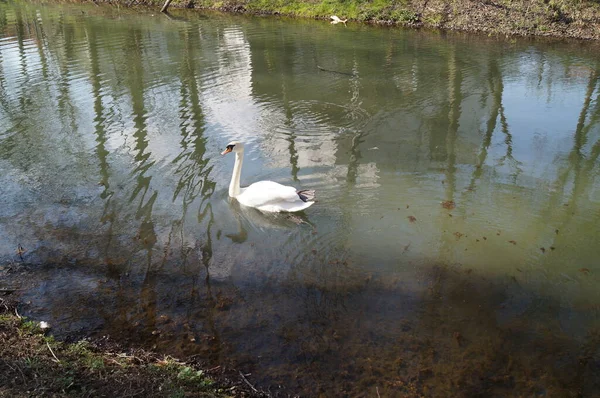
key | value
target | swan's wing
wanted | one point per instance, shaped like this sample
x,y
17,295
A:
x,y
264,193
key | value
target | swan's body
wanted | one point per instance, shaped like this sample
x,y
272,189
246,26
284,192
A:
x,y
335,19
266,196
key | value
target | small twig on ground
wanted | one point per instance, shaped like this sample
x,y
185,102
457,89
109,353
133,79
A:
x,y
52,352
215,368
134,393
247,382
377,389
20,371
17,314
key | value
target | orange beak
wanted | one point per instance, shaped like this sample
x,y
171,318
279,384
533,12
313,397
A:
x,y
226,151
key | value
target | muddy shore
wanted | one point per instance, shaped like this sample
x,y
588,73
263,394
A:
x,y
541,18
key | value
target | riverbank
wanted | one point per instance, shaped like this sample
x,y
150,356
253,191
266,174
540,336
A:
x,y
33,363
550,18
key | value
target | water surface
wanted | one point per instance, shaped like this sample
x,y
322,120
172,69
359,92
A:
x,y
454,248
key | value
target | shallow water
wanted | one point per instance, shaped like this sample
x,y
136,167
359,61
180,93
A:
x,y
454,247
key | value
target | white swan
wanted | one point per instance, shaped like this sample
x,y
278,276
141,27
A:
x,y
265,195
335,19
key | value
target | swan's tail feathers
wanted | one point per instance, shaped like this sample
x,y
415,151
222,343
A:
x,y
306,195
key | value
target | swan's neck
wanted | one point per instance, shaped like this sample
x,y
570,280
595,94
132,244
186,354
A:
x,y
234,185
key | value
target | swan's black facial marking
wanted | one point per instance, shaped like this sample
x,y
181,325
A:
x,y
228,149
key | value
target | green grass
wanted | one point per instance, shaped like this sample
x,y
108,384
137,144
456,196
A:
x,y
565,18
33,364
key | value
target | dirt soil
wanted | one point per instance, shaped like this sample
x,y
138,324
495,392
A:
x,y
548,18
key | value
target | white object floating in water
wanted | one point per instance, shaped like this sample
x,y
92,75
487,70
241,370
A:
x,y
44,325
335,19
373,149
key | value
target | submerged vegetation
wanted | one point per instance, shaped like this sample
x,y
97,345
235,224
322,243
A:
x,y
559,18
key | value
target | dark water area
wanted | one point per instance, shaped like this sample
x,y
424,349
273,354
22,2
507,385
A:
x,y
454,247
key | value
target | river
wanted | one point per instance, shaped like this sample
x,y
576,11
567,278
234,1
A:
x,y
454,248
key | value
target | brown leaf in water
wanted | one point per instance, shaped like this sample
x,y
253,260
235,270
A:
x,y
484,238
584,270
458,235
412,218
543,249
448,204
407,206
513,242
552,248
556,230
458,337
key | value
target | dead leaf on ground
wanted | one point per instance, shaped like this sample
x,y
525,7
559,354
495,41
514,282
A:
x,y
448,204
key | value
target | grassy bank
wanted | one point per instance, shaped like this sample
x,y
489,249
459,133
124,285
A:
x,y
557,18
34,364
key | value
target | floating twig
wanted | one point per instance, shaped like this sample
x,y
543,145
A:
x,y
335,71
247,382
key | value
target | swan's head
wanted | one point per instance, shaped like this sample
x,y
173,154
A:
x,y
233,146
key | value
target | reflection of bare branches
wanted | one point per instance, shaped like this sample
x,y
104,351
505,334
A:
x,y
582,130
508,157
455,101
581,178
289,117
354,160
496,88
108,214
192,166
355,110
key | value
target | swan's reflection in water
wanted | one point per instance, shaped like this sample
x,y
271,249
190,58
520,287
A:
x,y
251,218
